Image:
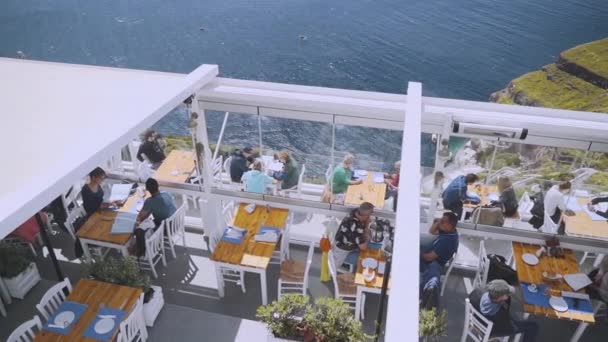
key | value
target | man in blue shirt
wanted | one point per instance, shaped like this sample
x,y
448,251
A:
x,y
494,304
456,193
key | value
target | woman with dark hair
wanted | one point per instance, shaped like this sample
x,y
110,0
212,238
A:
x,y
92,193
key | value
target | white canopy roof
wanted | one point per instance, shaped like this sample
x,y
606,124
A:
x,y
59,121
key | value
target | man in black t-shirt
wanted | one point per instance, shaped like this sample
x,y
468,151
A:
x,y
353,233
151,149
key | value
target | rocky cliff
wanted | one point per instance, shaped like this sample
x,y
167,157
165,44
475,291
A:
x,y
578,80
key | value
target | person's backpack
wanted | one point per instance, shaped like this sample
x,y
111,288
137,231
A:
x,y
538,211
491,216
499,269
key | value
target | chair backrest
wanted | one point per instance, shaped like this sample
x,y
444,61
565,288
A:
x,y
175,224
53,298
70,198
133,327
284,248
216,167
548,225
483,267
476,326
333,271
311,252
73,216
227,163
525,204
154,243
26,331
228,212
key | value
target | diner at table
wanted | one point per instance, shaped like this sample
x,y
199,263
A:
x,y
438,247
256,180
342,178
291,171
92,193
239,164
455,194
353,233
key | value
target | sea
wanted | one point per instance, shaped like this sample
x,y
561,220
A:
x,y
464,49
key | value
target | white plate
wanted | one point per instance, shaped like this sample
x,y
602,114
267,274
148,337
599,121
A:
x,y
530,259
532,288
104,326
369,276
558,304
64,318
361,172
370,263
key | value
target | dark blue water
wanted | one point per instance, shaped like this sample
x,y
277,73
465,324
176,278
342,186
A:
x,y
458,48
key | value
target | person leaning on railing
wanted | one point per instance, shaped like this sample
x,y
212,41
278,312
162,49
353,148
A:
x,y
456,193
507,199
151,149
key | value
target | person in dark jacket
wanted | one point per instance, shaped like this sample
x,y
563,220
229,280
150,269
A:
x,y
151,149
291,171
240,163
456,193
494,304
507,199
92,193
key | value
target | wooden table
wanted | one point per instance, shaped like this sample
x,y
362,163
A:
x,y
97,230
176,167
249,255
368,191
483,191
375,286
582,225
532,274
93,293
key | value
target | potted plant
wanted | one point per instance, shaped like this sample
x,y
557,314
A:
x,y
284,317
332,320
17,269
126,271
432,324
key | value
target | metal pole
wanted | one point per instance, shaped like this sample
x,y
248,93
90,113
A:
x,y
380,319
49,247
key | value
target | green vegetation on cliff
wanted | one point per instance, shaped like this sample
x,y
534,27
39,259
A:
x,y
591,56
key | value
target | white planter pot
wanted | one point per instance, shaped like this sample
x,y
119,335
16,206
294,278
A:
x,y
153,307
271,338
20,285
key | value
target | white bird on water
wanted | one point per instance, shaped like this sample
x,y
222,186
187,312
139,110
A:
x,y
21,55
303,37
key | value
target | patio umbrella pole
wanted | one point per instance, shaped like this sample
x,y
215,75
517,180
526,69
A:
x,y
379,321
49,247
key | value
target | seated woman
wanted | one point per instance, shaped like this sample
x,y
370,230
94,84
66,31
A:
x,y
342,178
92,193
256,180
291,171
507,199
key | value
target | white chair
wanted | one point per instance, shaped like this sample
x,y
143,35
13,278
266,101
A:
x,y
228,212
72,218
278,256
174,228
481,274
133,328
476,325
26,332
549,226
344,283
450,266
53,298
328,173
154,251
598,258
216,169
71,199
294,274
227,163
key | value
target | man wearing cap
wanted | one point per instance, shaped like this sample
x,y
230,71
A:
x,y
240,163
494,304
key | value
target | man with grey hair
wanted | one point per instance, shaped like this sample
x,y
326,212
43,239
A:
x,y
494,304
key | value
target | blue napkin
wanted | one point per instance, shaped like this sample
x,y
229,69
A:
x,y
76,308
374,245
583,305
271,229
537,298
90,332
231,239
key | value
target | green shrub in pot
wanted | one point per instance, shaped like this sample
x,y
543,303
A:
x,y
121,271
332,320
284,316
432,324
14,260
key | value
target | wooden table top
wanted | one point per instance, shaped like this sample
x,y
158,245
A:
x,y
93,293
581,224
533,274
483,191
178,161
368,191
250,252
369,253
99,225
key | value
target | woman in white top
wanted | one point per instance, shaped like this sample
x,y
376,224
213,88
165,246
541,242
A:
x,y
555,204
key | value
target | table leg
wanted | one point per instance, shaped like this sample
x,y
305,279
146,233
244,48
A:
x,y
263,287
220,280
579,331
4,292
2,308
85,250
358,303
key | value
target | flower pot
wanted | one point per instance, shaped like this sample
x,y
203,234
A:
x,y
272,338
21,284
154,305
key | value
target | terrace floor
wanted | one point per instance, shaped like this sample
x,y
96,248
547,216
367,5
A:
x,y
194,309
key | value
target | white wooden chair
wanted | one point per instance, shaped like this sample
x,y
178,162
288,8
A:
x,y
294,274
598,258
524,207
144,171
133,328
344,283
481,274
53,298
226,167
278,256
216,170
26,332
476,326
174,228
154,251
449,265
71,199
72,218
228,212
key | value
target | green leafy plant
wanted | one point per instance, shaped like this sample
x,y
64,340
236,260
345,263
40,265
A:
x,y
284,316
121,271
332,320
14,259
432,324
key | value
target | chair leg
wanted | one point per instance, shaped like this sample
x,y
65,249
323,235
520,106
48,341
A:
x,y
585,256
153,268
362,305
172,245
162,256
184,239
243,281
33,249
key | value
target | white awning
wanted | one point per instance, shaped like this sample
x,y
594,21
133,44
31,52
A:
x,y
59,121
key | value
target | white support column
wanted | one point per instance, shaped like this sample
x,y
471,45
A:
x,y
203,138
219,140
402,311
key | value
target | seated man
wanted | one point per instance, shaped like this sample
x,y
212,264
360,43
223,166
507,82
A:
x,y
494,304
456,193
353,233
442,243
151,149
256,180
160,204
240,163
